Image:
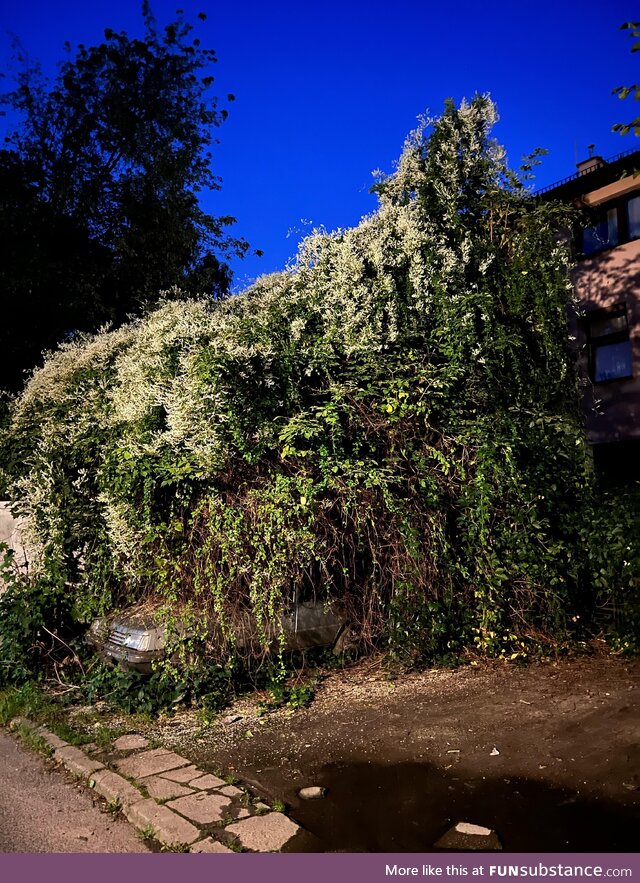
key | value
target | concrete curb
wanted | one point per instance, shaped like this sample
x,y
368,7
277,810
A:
x,y
77,761
216,817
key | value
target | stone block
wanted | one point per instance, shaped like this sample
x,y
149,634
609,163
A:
x,y
167,826
231,791
150,763
77,761
130,743
268,833
210,845
183,775
113,787
164,789
202,807
203,783
51,738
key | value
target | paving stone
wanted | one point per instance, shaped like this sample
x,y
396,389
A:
x,y
130,742
51,738
262,807
464,836
210,845
203,808
164,789
77,761
113,787
183,775
231,791
206,782
150,763
267,833
168,827
244,813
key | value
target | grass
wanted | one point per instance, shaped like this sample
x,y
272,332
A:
x,y
27,700
33,740
114,807
147,833
104,736
175,847
67,733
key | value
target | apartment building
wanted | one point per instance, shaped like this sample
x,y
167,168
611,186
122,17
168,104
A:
x,y
607,284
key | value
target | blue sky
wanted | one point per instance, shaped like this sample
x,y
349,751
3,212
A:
x,y
326,92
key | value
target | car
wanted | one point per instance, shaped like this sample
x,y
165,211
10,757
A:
x,y
136,639
133,640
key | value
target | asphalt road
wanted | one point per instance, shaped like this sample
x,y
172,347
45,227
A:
x,y
43,810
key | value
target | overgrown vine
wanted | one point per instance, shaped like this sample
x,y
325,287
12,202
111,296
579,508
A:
x,y
393,424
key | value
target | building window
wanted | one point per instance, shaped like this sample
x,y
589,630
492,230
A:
x,y
633,217
609,344
602,233
610,225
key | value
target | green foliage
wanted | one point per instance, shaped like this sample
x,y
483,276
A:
x,y
610,533
99,209
210,686
422,631
26,701
69,734
294,696
35,630
32,740
393,425
633,27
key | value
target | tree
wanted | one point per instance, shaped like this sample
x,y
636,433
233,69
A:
x,y
99,209
624,91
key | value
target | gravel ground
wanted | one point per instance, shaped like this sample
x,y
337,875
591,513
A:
x,y
546,754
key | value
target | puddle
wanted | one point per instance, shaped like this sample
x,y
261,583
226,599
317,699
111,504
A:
x,y
406,808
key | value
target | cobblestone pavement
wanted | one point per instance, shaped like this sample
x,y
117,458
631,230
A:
x,y
169,799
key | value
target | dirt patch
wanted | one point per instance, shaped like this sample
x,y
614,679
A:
x,y
547,755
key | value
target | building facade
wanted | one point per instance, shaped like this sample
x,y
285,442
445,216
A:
x,y
606,327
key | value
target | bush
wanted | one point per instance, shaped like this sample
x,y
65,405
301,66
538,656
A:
x,y
394,423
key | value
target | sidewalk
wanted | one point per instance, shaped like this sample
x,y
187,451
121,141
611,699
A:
x,y
169,799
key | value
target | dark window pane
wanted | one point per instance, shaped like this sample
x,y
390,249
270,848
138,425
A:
x,y
603,233
633,217
612,361
605,325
